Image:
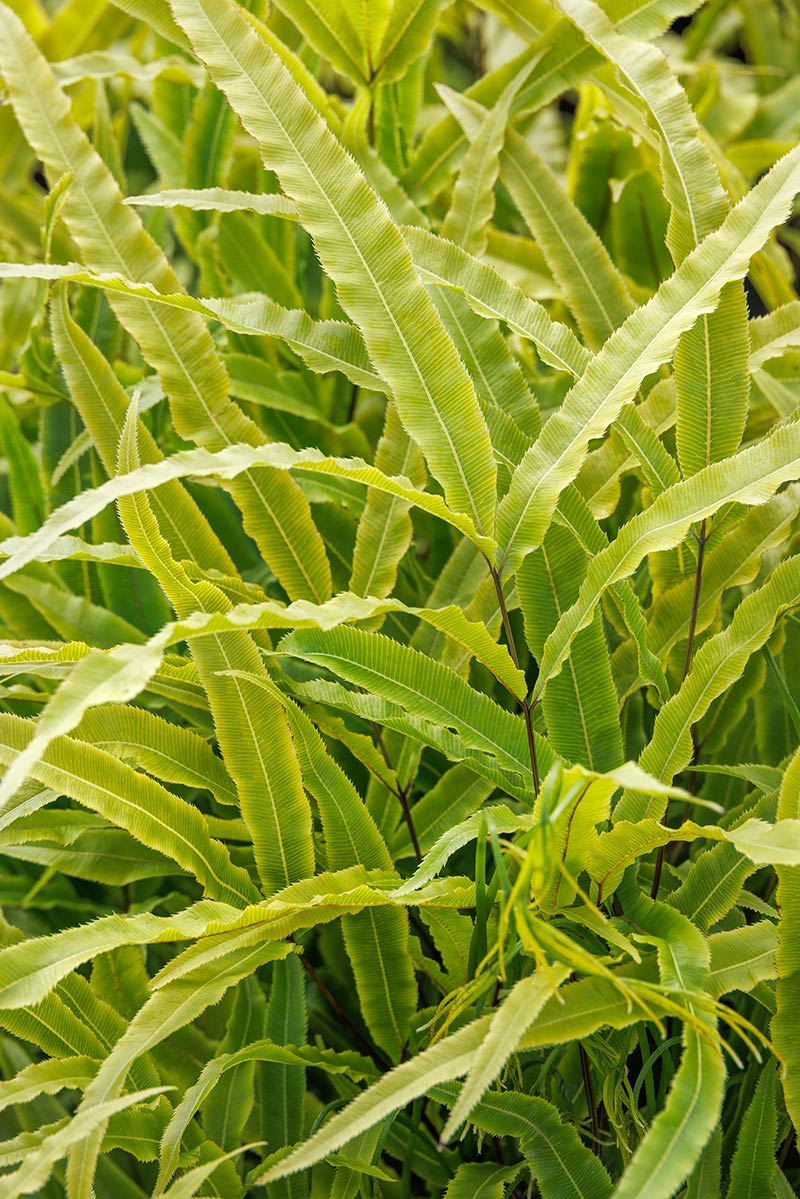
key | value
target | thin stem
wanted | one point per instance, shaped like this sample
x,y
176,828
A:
x,y
785,1147
341,1015
400,791
525,704
687,665
590,1103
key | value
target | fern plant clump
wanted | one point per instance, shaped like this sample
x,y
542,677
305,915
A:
x,y
399,592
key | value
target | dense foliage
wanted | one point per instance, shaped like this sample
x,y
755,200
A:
x,y
399,604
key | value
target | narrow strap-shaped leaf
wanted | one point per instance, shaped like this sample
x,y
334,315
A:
x,y
742,957
499,817
415,683
509,1024
329,30
472,206
503,820
446,1060
283,1084
47,1078
732,562
361,249
718,663
597,293
561,1164
480,1180
231,461
24,475
156,14
220,639
710,365
447,265
704,1182
167,1010
166,750
583,1007
369,21
384,529
676,1138
762,843
753,1165
346,1062
38,1165
103,404
377,942
132,801
564,57
691,182
750,477
594,288
784,1029
251,727
111,237
580,704
31,969
770,335
216,199
323,345
355,137
454,797
715,878
648,337
408,35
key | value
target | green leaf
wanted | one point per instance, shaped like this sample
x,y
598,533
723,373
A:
x,y
166,750
24,478
167,1010
384,529
750,478
132,801
31,968
648,338
284,1085
718,663
328,29
753,1164
675,1139
564,58
232,461
472,206
253,736
361,249
38,1165
216,199
445,265
446,1060
408,33
47,1078
377,942
111,238
328,1060
580,704
710,364
420,686
559,1161
784,1026
480,1180
509,1025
